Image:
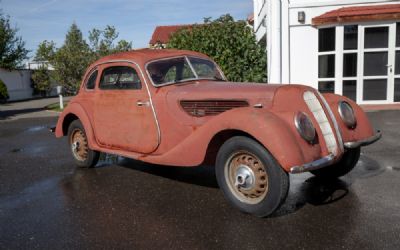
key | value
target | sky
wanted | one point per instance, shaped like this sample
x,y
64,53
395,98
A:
x,y
39,20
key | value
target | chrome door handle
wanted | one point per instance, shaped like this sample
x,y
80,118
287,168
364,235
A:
x,y
141,103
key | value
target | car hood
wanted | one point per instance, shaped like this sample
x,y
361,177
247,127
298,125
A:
x,y
253,93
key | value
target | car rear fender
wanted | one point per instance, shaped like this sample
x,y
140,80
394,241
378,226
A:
x,y
72,112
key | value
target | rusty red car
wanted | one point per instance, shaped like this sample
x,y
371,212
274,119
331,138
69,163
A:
x,y
176,108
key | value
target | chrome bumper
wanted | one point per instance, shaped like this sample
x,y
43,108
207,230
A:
x,y
365,142
320,163
329,159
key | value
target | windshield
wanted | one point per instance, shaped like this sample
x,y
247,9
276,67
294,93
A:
x,y
180,69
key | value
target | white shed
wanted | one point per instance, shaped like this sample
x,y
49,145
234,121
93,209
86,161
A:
x,y
349,47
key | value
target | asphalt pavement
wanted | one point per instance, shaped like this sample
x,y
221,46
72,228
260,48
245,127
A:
x,y
47,203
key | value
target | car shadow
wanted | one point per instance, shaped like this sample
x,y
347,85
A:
x,y
304,189
8,113
201,175
318,191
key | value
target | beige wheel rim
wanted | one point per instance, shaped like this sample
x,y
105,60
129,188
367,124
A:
x,y
246,177
79,145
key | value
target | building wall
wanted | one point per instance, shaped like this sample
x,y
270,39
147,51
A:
x,y
303,38
18,83
292,46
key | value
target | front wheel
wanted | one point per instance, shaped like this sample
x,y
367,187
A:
x,y
250,177
83,155
342,167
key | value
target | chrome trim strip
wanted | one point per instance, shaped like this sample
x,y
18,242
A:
x,y
148,92
365,142
317,164
335,124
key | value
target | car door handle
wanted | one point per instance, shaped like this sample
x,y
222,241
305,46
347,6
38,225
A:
x,y
143,103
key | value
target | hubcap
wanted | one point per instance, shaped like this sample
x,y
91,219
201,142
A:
x,y
79,145
246,177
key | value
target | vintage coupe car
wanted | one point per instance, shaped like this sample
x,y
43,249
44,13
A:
x,y
176,108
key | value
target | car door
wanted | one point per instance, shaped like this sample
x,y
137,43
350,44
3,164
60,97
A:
x,y
123,115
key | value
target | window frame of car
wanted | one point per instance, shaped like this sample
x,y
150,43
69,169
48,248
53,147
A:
x,y
126,64
186,57
92,71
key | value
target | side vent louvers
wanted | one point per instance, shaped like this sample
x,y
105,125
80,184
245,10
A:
x,y
200,108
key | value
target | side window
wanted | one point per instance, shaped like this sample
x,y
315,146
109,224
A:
x,y
120,77
91,82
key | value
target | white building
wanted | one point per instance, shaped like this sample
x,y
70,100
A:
x,y
349,47
18,83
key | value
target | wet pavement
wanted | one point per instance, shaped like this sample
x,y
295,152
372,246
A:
x,y
47,203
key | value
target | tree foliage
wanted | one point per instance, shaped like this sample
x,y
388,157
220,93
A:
x,y
232,44
42,79
71,60
12,48
74,56
3,92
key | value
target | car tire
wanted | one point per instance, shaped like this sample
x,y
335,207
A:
x,y
250,177
84,156
343,166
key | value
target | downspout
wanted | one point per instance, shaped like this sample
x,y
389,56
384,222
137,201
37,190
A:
x,y
274,41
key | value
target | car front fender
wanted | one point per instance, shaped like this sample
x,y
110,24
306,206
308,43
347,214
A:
x,y
363,129
270,130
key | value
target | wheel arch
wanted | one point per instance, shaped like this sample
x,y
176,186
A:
x,y
219,139
74,112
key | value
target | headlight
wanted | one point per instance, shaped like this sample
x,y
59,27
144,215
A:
x,y
305,126
346,112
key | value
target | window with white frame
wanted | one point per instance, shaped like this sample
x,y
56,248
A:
x,y
350,46
397,66
326,59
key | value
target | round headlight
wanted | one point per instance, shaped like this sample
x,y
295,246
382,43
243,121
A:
x,y
305,126
346,112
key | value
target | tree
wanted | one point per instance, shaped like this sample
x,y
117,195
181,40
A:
x,y
232,44
45,52
42,80
74,56
102,42
12,48
71,60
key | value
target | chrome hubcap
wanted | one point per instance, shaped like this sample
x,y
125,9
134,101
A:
x,y
244,177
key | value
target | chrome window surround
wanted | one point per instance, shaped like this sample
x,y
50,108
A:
x,y
94,69
147,89
190,65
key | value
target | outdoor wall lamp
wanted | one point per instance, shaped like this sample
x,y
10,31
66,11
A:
x,y
301,16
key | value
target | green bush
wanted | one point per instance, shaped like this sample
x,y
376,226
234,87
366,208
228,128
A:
x,y
232,44
3,92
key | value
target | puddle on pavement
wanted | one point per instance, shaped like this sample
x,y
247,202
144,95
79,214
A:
x,y
36,128
395,168
109,159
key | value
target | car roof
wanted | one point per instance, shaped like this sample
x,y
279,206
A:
x,y
142,56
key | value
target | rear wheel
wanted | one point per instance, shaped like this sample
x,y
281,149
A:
x,y
250,177
84,157
342,167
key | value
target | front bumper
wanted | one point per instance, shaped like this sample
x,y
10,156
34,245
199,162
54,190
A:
x,y
330,159
365,142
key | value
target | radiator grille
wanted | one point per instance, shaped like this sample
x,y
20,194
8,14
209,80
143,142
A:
x,y
316,108
200,108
